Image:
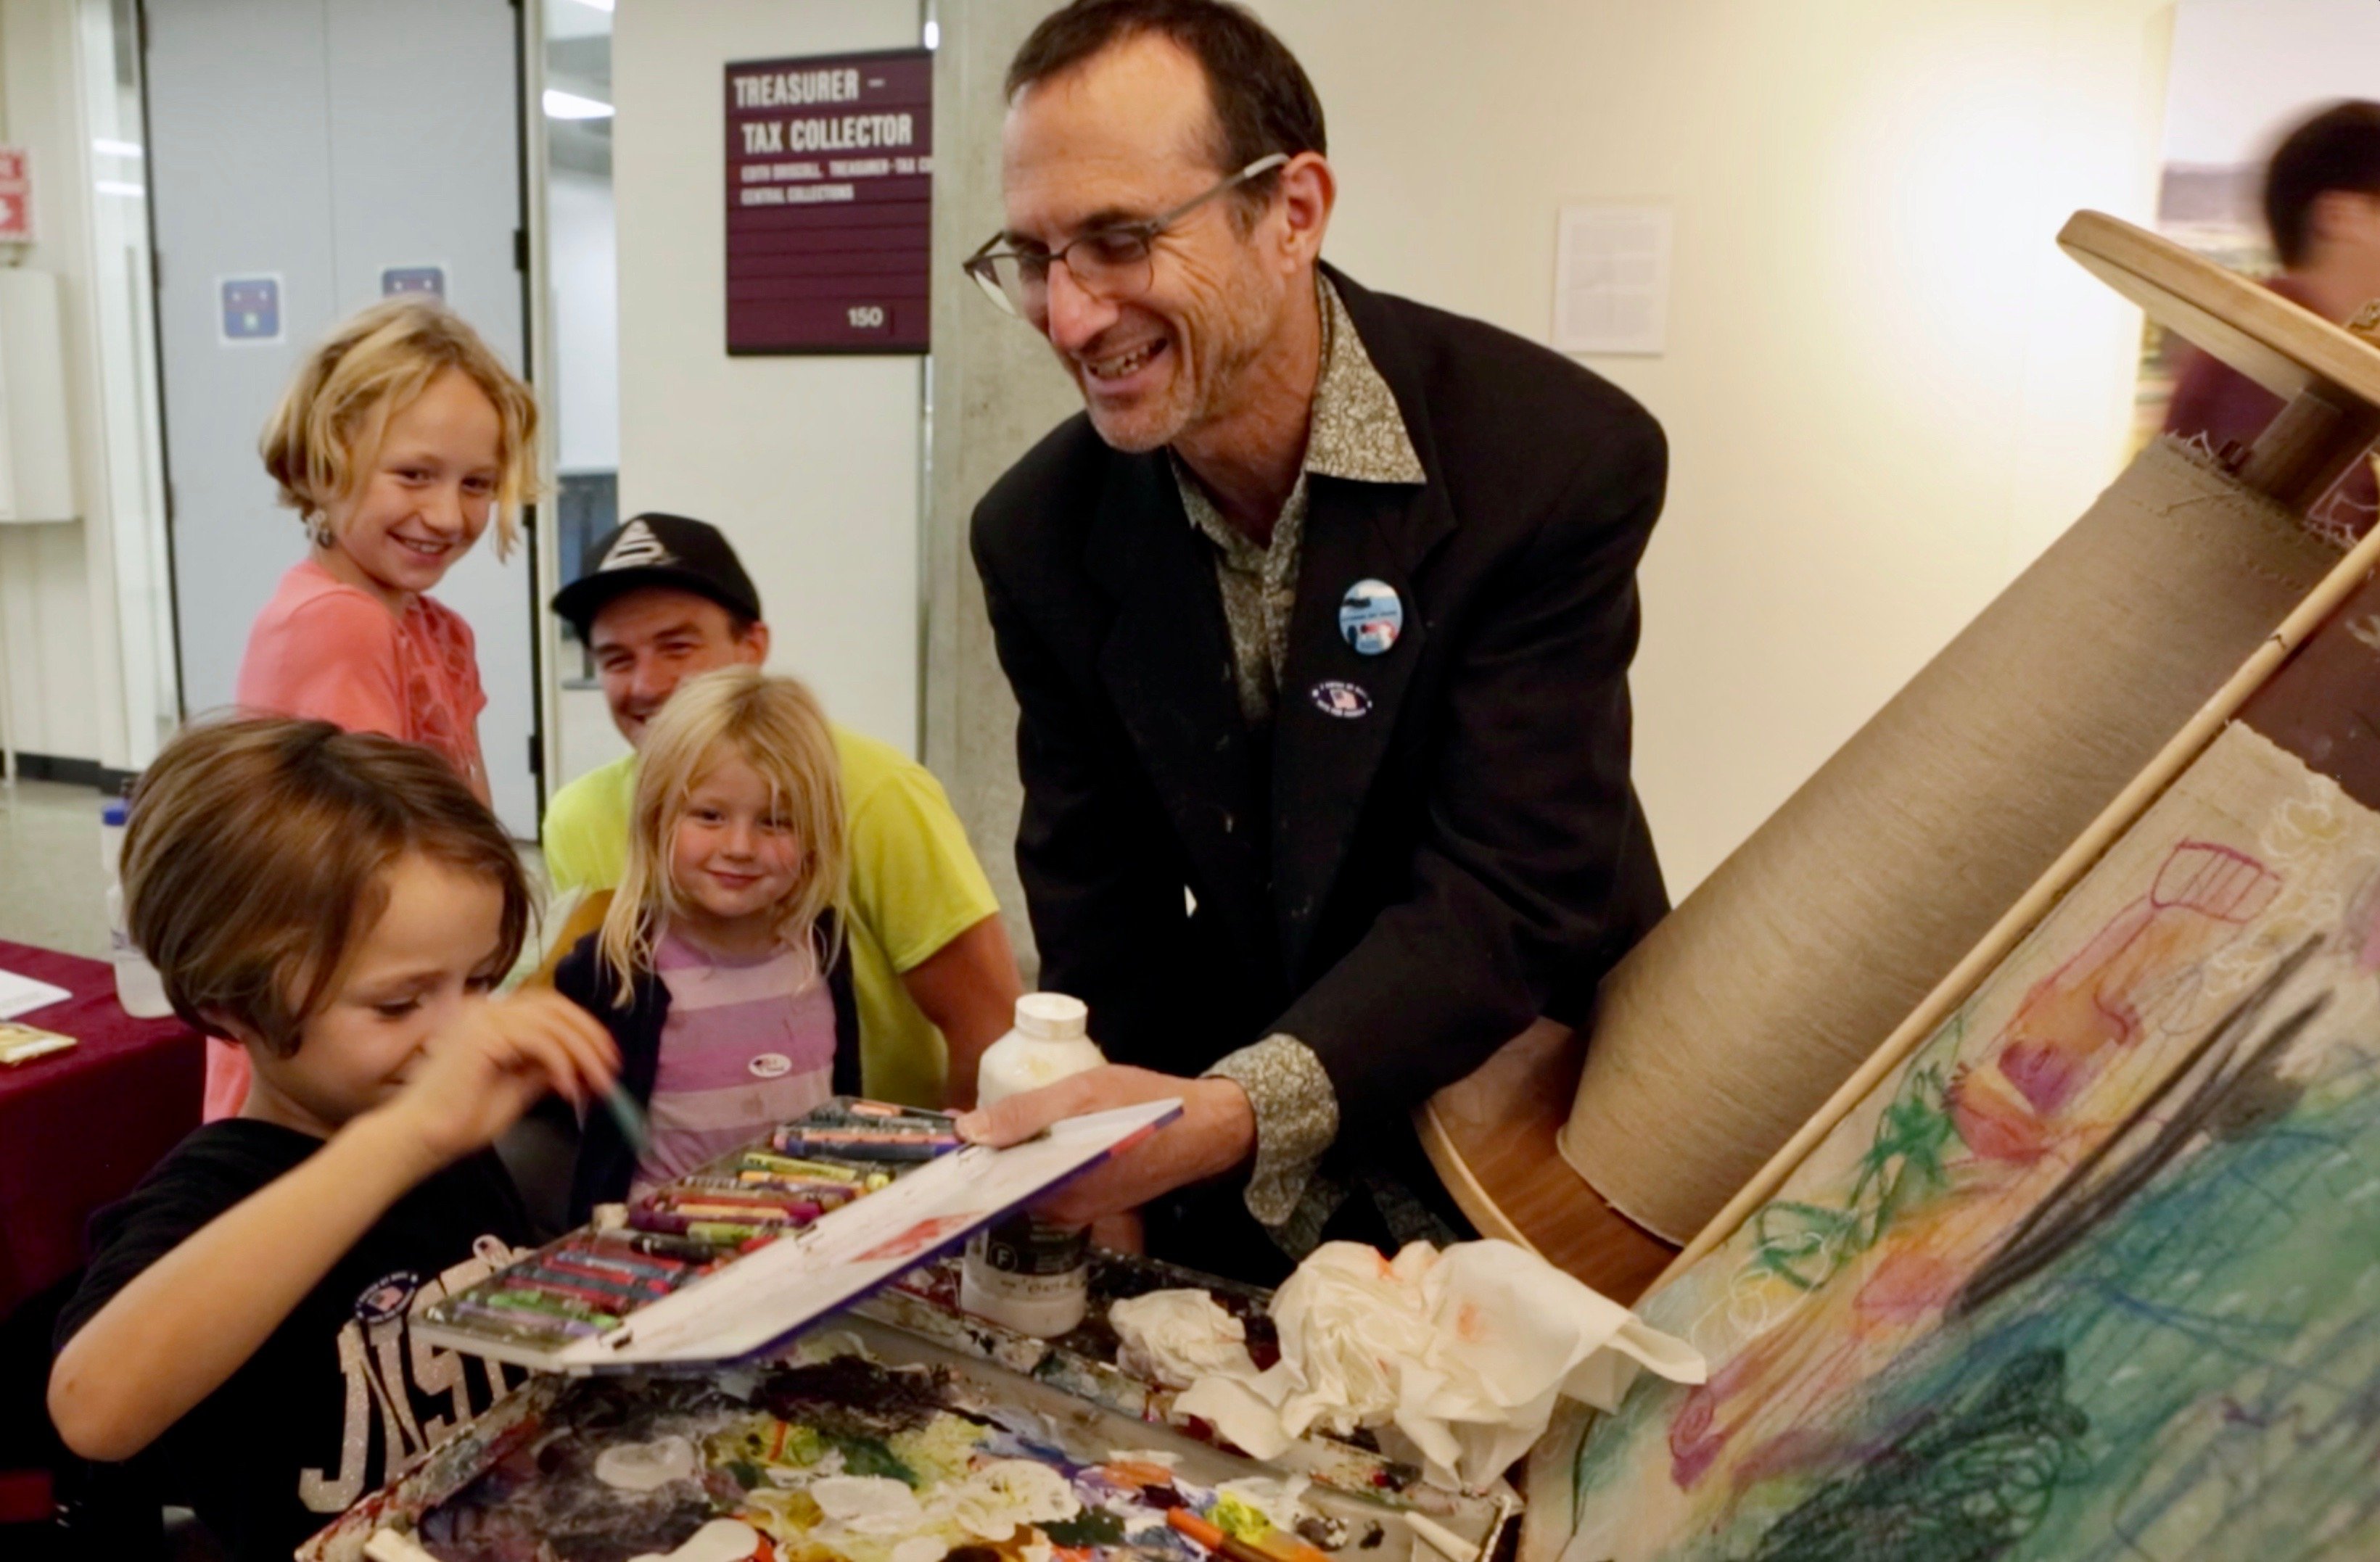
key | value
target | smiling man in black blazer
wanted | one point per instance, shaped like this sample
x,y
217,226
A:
x,y
1322,613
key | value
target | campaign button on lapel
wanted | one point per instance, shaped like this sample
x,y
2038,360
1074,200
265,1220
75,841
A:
x,y
1371,616
1344,700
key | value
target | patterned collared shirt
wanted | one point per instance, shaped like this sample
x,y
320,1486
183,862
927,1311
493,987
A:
x,y
1354,432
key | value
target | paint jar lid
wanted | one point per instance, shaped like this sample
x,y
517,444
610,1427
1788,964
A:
x,y
1053,1016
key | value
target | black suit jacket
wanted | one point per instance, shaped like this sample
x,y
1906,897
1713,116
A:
x,y
1402,890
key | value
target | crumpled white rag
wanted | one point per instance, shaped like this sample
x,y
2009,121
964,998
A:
x,y
1464,1352
1177,1337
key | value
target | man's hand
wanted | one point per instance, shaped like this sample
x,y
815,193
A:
x,y
1216,1133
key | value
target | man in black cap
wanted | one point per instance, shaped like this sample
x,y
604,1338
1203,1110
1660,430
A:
x,y
664,597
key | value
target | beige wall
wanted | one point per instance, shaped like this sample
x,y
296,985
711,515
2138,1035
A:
x,y
810,464
1885,390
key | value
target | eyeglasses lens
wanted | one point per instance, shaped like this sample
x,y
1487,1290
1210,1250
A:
x,y
1107,267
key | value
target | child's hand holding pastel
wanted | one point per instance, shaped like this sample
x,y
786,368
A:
x,y
477,1076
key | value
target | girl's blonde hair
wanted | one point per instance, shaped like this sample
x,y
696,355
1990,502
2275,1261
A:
x,y
320,440
257,857
776,726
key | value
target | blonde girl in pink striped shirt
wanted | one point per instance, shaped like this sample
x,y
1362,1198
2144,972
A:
x,y
722,971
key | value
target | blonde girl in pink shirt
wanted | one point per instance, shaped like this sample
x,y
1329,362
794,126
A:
x,y
401,440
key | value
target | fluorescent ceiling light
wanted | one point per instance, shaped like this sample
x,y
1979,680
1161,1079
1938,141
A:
x,y
118,186
107,148
560,104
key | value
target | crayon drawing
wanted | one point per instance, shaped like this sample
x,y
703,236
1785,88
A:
x,y
2094,1274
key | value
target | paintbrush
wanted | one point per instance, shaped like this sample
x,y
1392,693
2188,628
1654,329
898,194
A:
x,y
629,1116
1276,1546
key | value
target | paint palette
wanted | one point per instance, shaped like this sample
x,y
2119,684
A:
x,y
863,1445
728,1264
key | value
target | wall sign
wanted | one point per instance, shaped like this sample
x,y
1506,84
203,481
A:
x,y
430,279
16,197
829,215
251,308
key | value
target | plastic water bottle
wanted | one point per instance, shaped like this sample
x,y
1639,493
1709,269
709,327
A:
x,y
139,989
1032,1277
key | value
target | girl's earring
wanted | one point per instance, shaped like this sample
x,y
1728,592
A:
x,y
318,528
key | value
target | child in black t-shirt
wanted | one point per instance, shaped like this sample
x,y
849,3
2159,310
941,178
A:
x,y
341,905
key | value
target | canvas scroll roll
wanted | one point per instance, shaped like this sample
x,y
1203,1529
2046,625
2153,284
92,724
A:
x,y
1744,1009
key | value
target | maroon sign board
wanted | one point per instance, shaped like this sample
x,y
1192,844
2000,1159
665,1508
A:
x,y
830,209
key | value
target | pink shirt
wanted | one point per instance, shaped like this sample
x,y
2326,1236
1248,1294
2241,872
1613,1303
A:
x,y
334,652
325,649
748,1044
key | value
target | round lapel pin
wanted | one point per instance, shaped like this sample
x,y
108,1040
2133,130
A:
x,y
1371,616
1344,700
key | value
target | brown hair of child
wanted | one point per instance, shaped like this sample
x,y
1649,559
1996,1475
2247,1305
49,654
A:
x,y
257,857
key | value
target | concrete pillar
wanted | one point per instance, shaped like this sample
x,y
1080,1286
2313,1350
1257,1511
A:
x,y
996,391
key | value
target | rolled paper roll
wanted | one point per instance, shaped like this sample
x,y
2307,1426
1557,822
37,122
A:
x,y
1741,1011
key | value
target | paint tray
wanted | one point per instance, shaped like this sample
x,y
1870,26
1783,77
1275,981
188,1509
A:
x,y
527,1467
753,1300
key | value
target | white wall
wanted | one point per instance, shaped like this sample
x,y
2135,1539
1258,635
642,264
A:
x,y
810,464
1885,389
585,273
65,662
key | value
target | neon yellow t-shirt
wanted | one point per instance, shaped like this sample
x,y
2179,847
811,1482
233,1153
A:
x,y
914,885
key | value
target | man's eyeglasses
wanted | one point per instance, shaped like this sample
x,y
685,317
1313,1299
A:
x,y
1109,263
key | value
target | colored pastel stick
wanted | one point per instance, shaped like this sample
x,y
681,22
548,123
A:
x,y
615,1286
784,1165
578,1293
788,1205
867,1132
695,1255
899,1151
749,1181
665,1271
720,1232
743,1214
828,1139
856,1116
834,1195
515,1325
545,1305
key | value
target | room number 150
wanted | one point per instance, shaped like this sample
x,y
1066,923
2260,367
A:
x,y
866,317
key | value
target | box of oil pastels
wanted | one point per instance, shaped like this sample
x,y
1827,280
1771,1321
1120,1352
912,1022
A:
x,y
730,1261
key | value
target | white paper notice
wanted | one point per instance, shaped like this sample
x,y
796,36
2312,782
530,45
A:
x,y
22,995
1611,280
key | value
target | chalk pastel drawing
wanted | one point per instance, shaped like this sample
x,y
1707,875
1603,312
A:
x,y
2094,1274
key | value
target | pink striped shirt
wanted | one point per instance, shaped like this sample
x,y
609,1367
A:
x,y
748,1044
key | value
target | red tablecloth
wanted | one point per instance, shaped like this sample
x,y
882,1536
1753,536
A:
x,y
78,1129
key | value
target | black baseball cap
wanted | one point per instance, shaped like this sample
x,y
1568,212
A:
x,y
656,549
